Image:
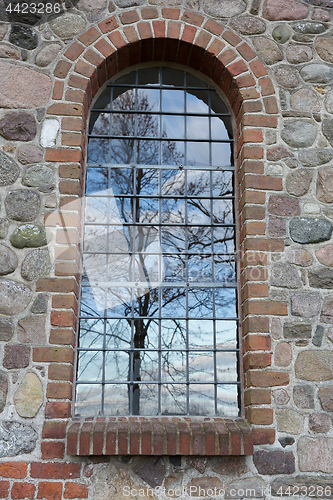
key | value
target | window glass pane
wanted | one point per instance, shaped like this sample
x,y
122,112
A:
x,y
197,102
173,334
118,333
219,131
98,150
173,152
148,399
173,398
90,366
116,401
227,400
173,126
88,400
198,153
226,363
222,154
226,334
200,333
173,101
97,180
122,151
148,76
91,333
172,77
197,127
100,123
202,399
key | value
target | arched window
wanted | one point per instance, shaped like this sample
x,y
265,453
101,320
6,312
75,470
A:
x,y
158,318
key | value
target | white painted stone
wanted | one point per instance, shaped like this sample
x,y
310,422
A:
x,y
311,208
48,135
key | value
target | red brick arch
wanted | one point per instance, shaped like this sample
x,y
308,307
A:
x,y
230,63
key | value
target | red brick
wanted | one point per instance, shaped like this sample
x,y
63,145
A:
x,y
144,31
267,87
260,378
98,438
251,107
65,285
74,51
54,430
260,416
84,68
258,68
271,106
79,82
89,36
192,18
257,343
146,437
184,438
129,17
50,491
135,438
62,318
265,307
173,32
52,449
171,13
61,372
123,438
62,69
75,490
111,438
251,135
4,489
108,25
72,435
16,470
254,360
263,436
203,39
59,390
149,13
188,33
58,90
62,337
52,355
159,29
70,187
57,470
256,324
63,155
117,40
227,57
198,438
255,290
260,121
23,490
104,47
258,397
57,410
231,38
246,52
213,27
65,110
71,139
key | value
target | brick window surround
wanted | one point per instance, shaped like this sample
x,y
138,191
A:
x,y
88,63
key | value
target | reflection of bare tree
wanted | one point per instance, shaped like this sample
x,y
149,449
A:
x,y
185,236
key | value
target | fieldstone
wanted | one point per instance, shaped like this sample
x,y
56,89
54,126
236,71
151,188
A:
x,y
282,487
325,395
284,10
277,153
297,54
303,396
329,101
128,3
31,330
8,260
173,481
321,15
23,37
276,328
150,471
18,126
310,229
300,257
319,422
274,169
68,25
231,466
23,94
286,441
274,462
283,354
317,73
255,485
318,336
281,33
16,439
325,185
296,331
305,100
315,157
325,255
328,130
6,330
16,356
309,28
22,205
9,170
93,5
327,311
39,305
3,30
49,133
29,236
29,396
315,454
299,134
268,50
108,482
286,276
298,182
314,365
8,52
248,25
4,225
51,201
3,390
324,47
47,54
305,304
281,396
204,484
289,421
37,176
14,297
283,205
329,334
198,463
311,208
29,154
277,227
321,278
36,264
224,8
286,77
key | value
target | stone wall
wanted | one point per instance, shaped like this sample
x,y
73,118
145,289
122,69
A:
x,y
274,62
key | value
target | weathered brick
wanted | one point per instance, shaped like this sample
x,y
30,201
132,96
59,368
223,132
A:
x,y
16,470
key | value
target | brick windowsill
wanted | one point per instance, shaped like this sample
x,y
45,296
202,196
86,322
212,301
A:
x,y
159,436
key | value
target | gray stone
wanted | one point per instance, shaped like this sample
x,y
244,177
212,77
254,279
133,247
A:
x,y
6,330
281,396
22,205
284,10
328,130
289,421
286,276
8,52
283,205
297,54
310,230
318,336
4,225
286,441
315,157
18,126
128,3
305,304
9,170
277,153
303,396
321,278
282,487
248,25
329,101
327,311
268,50
36,264
16,356
300,257
317,73
37,176
29,396
255,485
150,471
29,154
309,27
231,466
29,235
319,422
68,25
299,134
305,100
325,255
31,330
314,365
3,30
283,354
8,260
224,8
3,390
274,462
295,331
276,328
198,463
47,54
16,439
321,14
324,47
277,228
93,5
287,77
298,182
23,37
315,454
325,395
39,305
281,33
14,297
